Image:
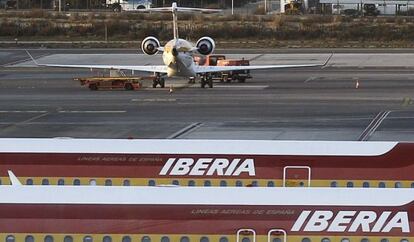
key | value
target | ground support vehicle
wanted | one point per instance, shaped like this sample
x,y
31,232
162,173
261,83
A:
x,y
128,5
294,7
371,10
240,75
96,83
220,60
11,4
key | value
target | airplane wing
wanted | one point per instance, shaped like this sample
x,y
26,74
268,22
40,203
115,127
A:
x,y
155,68
207,69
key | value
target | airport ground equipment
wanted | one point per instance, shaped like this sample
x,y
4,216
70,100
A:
x,y
294,7
370,10
11,4
96,83
225,76
128,5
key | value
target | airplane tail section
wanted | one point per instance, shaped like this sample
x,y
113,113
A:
x,y
174,9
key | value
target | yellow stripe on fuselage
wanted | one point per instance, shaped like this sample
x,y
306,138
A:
x,y
21,237
205,182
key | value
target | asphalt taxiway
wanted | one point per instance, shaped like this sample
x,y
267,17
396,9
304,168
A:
x,y
359,96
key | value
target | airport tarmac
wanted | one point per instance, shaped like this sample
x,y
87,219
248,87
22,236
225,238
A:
x,y
361,95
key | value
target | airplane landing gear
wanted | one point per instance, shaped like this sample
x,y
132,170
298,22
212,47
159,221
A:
x,y
158,80
207,80
191,80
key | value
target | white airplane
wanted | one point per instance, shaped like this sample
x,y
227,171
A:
x,y
178,55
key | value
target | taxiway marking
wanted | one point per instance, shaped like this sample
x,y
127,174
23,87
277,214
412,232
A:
x,y
92,111
251,86
22,111
256,57
312,78
373,126
154,100
185,130
33,118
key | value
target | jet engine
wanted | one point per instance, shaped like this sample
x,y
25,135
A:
x,y
205,45
150,45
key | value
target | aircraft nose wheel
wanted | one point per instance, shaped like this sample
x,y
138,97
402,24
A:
x,y
191,80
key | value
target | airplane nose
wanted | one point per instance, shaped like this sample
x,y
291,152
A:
x,y
174,52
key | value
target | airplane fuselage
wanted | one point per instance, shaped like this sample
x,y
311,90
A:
x,y
178,57
113,213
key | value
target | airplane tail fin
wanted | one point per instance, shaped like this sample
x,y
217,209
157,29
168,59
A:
x,y
174,9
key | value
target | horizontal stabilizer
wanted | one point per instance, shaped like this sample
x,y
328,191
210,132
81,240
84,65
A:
x,y
174,8
179,9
